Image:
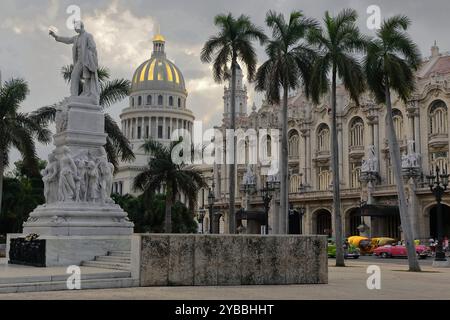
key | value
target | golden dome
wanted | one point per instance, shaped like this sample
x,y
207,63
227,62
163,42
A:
x,y
158,73
159,37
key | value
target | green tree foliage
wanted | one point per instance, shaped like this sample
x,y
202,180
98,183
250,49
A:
x,y
148,214
23,192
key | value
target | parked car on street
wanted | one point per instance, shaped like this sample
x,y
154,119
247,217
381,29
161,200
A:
x,y
350,252
368,245
392,251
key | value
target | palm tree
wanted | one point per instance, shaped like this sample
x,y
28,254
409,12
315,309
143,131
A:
x,y
232,43
162,171
392,57
337,43
289,66
18,129
111,91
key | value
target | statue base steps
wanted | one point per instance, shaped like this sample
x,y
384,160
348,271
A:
x,y
73,250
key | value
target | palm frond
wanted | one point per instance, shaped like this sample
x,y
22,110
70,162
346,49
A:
x,y
122,147
12,94
114,91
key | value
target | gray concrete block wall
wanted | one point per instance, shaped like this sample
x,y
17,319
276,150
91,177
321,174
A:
x,y
213,260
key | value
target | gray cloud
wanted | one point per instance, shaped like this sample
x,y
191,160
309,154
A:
x,y
124,29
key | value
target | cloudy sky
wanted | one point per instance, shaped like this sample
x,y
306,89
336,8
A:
x,y
123,32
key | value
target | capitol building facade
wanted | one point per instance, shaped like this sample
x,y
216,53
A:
x,y
368,191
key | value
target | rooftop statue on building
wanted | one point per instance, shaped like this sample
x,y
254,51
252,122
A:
x,y
371,163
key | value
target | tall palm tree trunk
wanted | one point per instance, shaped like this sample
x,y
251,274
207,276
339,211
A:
x,y
336,181
284,200
394,152
168,212
232,177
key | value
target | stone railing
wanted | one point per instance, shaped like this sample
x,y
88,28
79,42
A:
x,y
216,260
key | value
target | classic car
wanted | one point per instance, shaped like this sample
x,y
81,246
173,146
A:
x,y
350,252
391,251
368,245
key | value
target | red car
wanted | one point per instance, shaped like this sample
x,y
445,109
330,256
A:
x,y
390,251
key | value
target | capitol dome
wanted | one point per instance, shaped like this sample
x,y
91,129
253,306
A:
x,y
158,73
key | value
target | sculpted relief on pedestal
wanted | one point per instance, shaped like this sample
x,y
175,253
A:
x,y
82,178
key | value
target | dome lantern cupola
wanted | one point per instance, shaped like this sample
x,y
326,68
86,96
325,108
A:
x,y
158,45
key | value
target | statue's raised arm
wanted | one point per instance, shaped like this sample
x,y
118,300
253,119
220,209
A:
x,y
85,63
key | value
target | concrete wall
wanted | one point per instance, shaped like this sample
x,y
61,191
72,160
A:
x,y
211,260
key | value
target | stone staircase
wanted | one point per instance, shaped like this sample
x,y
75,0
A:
x,y
116,260
110,271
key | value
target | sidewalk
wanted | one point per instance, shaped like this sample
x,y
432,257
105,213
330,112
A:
x,y
344,283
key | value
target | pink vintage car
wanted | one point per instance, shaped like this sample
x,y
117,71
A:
x,y
391,251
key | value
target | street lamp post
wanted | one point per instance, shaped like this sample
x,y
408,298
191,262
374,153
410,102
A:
x,y
438,184
211,199
266,194
201,217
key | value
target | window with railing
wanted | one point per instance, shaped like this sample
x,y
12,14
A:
x,y
439,159
355,174
294,183
324,178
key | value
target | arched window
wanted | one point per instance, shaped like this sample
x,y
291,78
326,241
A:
x,y
323,138
179,102
355,174
171,101
324,180
357,132
293,145
149,99
438,118
139,101
398,123
132,102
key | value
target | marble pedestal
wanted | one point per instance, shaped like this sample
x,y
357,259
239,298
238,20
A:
x,y
75,216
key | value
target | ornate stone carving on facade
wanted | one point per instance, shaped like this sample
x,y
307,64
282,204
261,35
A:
x,y
411,159
249,177
370,165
